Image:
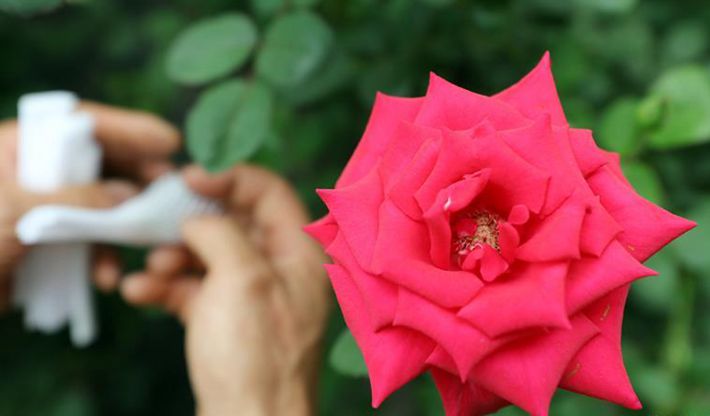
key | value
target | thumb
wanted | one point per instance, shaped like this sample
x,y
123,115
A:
x,y
98,195
222,246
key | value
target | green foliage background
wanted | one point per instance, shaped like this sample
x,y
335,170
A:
x,y
289,83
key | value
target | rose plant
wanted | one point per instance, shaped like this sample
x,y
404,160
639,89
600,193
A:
x,y
486,241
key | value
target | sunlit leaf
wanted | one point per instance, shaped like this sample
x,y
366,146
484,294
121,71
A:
x,y
618,130
211,49
686,108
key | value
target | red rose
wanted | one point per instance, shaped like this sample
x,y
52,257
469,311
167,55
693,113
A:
x,y
483,239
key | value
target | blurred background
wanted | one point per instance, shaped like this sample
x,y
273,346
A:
x,y
289,83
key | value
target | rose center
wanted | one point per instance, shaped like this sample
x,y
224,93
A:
x,y
473,230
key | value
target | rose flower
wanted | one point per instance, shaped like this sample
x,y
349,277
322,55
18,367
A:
x,y
486,241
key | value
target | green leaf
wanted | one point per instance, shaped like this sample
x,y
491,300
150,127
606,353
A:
x,y
304,3
438,3
28,7
617,130
267,8
336,72
693,246
645,180
685,93
658,292
295,45
649,111
211,49
346,357
685,42
229,123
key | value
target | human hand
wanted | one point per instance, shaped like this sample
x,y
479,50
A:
x,y
254,297
136,146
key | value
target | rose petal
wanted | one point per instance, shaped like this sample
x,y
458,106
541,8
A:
x,y
453,198
387,113
586,152
536,94
598,229
403,190
355,208
557,237
646,227
527,372
323,230
449,106
537,145
378,295
401,256
532,296
393,355
591,278
598,368
406,142
464,343
465,399
512,180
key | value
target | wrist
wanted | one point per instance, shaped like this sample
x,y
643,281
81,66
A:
x,y
293,398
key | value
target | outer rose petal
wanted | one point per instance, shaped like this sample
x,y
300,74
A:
x,y
393,356
647,227
465,399
464,343
536,94
449,106
534,297
323,230
598,368
386,115
378,295
588,156
527,372
355,209
591,278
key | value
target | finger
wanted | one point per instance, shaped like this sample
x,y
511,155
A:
x,y
217,186
8,149
222,246
168,261
98,195
107,269
175,296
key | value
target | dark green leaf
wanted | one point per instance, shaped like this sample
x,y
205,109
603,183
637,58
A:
x,y
693,247
295,45
28,7
229,123
304,3
658,292
346,357
211,49
686,115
